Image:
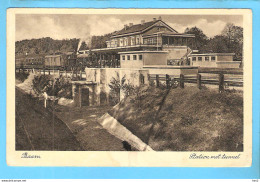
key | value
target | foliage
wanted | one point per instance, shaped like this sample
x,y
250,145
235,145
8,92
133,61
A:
x,y
217,44
229,41
83,46
99,41
200,38
116,86
45,45
58,87
21,76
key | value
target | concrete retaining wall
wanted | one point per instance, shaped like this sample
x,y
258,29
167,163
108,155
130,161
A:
x,y
102,77
121,132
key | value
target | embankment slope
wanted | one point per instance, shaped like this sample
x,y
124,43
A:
x,y
187,120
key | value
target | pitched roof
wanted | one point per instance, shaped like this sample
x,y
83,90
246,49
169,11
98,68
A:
x,y
135,28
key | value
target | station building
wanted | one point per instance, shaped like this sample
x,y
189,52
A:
x,y
155,43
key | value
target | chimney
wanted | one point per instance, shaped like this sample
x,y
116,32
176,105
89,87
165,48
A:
x,y
142,22
125,27
154,19
160,18
130,24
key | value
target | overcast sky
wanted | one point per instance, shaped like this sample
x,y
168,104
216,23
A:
x,y
84,26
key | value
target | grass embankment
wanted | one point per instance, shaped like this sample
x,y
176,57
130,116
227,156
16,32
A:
x,y
187,120
38,128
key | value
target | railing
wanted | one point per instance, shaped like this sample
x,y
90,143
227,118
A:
x,y
67,74
220,79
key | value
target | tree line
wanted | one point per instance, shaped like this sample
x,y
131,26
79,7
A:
x,y
229,41
48,45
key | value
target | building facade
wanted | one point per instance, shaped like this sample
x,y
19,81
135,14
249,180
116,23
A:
x,y
155,43
150,36
217,60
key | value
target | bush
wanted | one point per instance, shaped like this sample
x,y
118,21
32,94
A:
x,y
21,76
116,86
58,87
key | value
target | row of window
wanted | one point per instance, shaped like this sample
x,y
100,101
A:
x,y
206,58
124,42
128,57
150,41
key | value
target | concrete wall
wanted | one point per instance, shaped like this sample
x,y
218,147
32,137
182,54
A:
x,y
204,63
131,64
103,77
224,58
221,61
172,70
155,58
233,64
175,52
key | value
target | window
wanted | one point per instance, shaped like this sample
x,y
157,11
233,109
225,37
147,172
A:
x,y
150,41
123,57
213,58
154,40
140,57
134,57
128,57
132,41
199,58
206,58
137,40
145,41
194,58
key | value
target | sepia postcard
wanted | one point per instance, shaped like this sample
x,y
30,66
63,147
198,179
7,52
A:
x,y
129,87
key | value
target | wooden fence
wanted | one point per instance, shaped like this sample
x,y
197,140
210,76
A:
x,y
219,79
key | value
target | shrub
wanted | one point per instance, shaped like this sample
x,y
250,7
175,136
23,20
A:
x,y
116,86
21,76
58,87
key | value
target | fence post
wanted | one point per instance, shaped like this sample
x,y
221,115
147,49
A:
x,y
141,78
168,79
157,81
221,82
181,80
66,74
43,71
199,81
80,74
49,72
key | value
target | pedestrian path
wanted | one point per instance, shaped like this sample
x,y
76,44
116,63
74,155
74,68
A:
x,y
83,123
